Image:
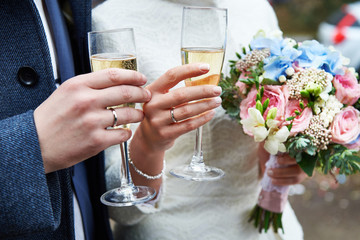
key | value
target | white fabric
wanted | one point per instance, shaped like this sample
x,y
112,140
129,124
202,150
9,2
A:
x,y
78,225
193,210
40,6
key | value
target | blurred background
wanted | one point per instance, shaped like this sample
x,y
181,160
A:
x,y
325,209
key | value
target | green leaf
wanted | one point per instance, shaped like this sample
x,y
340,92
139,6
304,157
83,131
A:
x,y
238,55
308,163
267,81
289,127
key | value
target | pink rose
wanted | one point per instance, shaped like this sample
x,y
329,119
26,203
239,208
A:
x,y
345,128
278,97
302,121
347,88
355,145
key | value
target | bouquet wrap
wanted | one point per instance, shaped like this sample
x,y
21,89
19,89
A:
x,y
272,198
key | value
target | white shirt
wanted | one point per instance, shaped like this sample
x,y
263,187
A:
x,y
78,224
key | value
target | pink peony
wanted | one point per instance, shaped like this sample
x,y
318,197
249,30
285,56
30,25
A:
x,y
345,128
302,121
278,96
347,88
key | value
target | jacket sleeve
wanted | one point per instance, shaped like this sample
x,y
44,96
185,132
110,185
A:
x,y
30,200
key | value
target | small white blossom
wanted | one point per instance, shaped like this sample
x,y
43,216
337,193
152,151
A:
x,y
261,78
290,42
275,141
290,71
282,79
329,109
345,60
255,124
332,48
352,70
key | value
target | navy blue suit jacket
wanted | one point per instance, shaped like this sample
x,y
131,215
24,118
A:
x,y
34,205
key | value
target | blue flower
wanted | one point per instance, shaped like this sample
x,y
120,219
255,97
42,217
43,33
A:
x,y
318,56
276,66
274,44
333,64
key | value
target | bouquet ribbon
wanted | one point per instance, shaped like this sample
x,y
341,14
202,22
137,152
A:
x,y
271,201
272,197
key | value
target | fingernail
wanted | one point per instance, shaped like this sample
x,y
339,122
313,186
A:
x,y
204,67
218,100
148,92
217,90
270,172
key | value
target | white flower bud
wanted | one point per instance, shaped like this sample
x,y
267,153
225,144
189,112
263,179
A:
x,y
290,42
282,79
345,60
352,70
261,78
329,77
316,110
290,71
332,48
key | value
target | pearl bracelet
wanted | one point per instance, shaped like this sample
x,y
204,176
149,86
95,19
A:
x,y
142,173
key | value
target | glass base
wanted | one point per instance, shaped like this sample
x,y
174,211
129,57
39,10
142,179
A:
x,y
205,173
127,196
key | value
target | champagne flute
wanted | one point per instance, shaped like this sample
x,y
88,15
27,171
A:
x,y
203,39
116,49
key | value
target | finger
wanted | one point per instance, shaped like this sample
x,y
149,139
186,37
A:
x,y
286,181
285,172
124,115
193,109
285,159
175,130
173,76
112,137
118,95
112,77
187,94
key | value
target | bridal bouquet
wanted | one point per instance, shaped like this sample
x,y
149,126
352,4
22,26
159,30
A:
x,y
299,99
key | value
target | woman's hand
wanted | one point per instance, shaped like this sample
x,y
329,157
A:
x,y
157,132
158,128
288,173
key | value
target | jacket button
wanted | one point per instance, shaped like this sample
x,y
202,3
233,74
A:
x,y
27,76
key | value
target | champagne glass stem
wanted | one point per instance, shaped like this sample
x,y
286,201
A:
x,y
197,161
126,179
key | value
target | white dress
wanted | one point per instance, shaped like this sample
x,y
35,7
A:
x,y
185,209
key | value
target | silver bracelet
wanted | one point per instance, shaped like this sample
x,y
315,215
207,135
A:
x,y
142,173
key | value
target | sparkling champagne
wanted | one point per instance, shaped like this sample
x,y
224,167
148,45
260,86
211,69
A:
x,y
114,60
213,56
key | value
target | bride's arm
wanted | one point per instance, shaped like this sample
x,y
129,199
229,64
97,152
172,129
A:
x,y
157,132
